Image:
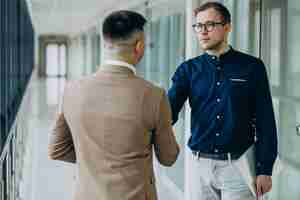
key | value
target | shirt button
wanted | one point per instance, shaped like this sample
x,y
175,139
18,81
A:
x,y
214,57
216,150
218,83
218,117
218,100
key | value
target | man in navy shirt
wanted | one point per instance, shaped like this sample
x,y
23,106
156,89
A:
x,y
228,92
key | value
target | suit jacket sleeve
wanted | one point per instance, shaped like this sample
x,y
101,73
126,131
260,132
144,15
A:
x,y
165,145
61,146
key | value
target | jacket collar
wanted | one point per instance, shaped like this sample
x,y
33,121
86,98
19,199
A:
x,y
117,65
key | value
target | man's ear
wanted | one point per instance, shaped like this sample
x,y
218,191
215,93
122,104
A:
x,y
139,46
228,28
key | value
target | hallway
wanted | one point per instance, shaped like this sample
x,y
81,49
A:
x,y
50,179
61,38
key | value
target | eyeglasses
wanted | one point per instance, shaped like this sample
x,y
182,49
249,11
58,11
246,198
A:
x,y
209,26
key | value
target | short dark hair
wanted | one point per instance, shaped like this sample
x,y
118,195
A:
x,y
121,24
220,8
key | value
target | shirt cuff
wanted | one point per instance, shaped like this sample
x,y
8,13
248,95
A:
x,y
263,169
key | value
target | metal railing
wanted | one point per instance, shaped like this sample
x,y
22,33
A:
x,y
16,61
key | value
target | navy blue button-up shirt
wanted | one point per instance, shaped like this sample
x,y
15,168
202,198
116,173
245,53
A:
x,y
226,94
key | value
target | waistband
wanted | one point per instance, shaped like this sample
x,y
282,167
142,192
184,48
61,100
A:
x,y
219,156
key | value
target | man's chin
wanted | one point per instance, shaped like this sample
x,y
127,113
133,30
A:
x,y
208,47
205,47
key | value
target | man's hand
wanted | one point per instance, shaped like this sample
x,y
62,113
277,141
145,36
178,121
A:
x,y
263,185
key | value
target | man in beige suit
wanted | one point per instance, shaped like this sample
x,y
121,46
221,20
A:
x,y
111,120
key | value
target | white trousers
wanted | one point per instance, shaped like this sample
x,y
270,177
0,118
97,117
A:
x,y
217,180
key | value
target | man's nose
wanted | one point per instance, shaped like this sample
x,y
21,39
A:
x,y
204,32
204,29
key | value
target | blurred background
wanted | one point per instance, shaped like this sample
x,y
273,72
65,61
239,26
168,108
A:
x,y
45,43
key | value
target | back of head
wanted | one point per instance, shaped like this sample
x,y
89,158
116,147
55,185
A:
x,y
122,28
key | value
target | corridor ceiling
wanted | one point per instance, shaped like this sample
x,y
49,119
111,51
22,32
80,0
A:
x,y
69,16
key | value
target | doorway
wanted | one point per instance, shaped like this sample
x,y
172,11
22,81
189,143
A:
x,y
56,60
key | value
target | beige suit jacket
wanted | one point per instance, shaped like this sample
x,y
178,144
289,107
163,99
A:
x,y
106,127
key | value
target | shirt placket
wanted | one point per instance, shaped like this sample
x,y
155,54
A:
x,y
219,117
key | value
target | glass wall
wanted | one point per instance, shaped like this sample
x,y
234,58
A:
x,y
84,54
95,48
165,50
280,50
76,58
245,25
92,47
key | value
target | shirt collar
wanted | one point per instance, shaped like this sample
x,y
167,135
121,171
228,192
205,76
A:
x,y
121,63
227,48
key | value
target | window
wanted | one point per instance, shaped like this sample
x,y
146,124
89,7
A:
x,y
56,60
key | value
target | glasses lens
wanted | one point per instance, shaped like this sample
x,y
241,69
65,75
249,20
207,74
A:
x,y
210,26
198,27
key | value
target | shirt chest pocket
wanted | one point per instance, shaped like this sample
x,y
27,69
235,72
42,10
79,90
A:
x,y
239,86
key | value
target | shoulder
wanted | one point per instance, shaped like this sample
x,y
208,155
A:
x,y
251,64
195,61
250,59
191,65
152,97
74,83
74,86
149,87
